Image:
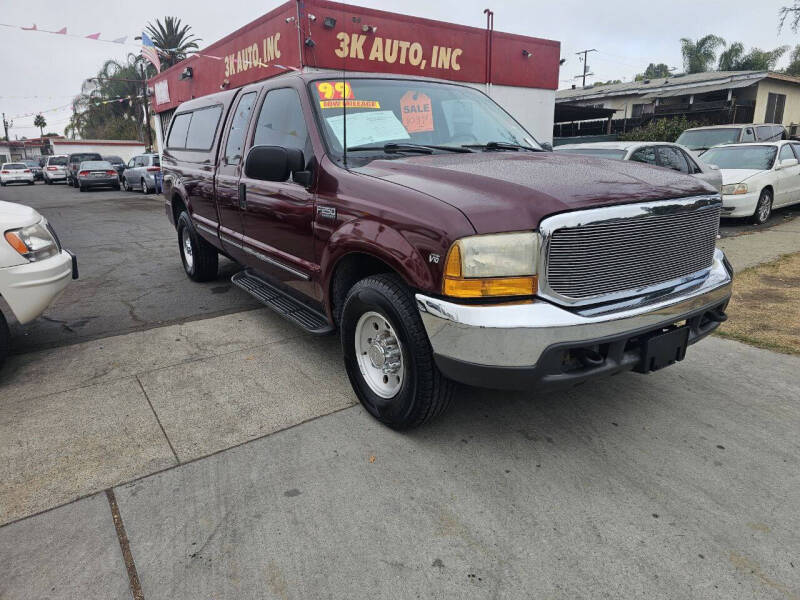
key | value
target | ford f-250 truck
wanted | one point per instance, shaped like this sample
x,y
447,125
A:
x,y
422,222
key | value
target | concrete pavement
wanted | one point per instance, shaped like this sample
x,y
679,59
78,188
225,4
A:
x,y
675,485
751,249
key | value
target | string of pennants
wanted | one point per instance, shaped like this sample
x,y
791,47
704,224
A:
x,y
92,102
63,31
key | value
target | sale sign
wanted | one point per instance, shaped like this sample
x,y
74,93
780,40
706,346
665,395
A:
x,y
416,112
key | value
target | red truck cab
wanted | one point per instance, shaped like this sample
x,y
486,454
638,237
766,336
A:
x,y
428,227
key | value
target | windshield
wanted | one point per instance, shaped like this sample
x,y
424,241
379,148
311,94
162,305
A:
x,y
14,166
76,158
96,164
382,111
58,160
601,152
699,139
32,163
115,160
742,157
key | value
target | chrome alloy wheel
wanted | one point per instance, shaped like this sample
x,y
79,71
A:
x,y
186,241
764,208
379,354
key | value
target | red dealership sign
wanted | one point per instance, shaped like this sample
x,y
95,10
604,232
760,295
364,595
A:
x,y
331,35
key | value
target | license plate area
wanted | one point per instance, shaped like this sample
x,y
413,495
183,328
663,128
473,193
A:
x,y
663,349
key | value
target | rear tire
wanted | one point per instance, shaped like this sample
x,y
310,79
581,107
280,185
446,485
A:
x,y
81,188
200,259
413,391
763,208
144,187
5,339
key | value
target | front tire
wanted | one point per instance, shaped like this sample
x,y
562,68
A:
x,y
388,357
763,208
200,259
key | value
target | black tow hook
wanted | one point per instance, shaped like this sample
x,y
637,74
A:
x,y
716,315
590,358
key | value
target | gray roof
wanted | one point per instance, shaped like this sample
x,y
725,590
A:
x,y
672,86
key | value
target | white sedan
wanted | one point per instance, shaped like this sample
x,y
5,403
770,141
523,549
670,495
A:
x,y
659,154
15,173
757,177
34,268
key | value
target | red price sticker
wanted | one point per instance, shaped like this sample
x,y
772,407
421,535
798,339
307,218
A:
x,y
334,90
415,109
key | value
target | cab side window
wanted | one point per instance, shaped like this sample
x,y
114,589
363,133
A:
x,y
179,130
233,148
748,135
645,155
672,159
281,122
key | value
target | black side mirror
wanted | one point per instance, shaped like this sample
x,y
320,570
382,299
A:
x,y
547,146
273,163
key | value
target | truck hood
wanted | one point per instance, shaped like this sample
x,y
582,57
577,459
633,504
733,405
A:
x,y
737,175
502,191
13,216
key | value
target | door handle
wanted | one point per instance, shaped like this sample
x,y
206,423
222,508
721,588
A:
x,y
242,196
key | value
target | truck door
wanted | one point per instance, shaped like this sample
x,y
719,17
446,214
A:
x,y
278,216
229,172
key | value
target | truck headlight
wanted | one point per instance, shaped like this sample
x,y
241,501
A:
x,y
502,264
34,242
734,189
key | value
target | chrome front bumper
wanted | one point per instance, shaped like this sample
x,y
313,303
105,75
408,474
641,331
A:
x,y
517,335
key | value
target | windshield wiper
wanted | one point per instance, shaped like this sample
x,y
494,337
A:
x,y
502,146
393,147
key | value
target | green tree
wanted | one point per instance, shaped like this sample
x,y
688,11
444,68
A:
x,y
794,62
735,58
39,122
659,130
173,39
654,71
110,105
700,55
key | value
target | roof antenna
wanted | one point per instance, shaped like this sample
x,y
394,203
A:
x,y
344,118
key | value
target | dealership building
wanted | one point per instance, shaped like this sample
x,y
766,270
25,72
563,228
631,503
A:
x,y
518,72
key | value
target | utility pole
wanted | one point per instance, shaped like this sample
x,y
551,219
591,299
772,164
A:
x,y
5,126
147,113
585,65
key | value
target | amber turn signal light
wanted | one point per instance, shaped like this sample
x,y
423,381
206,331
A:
x,y
16,242
456,286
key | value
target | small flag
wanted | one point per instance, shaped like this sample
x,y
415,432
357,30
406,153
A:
x,y
149,52
34,28
93,36
120,40
62,31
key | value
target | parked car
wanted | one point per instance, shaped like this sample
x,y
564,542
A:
x,y
17,172
55,169
34,268
117,163
757,178
140,173
74,162
700,139
660,154
439,237
33,165
97,173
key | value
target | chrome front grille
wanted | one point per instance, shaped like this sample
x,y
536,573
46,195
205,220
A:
x,y
620,251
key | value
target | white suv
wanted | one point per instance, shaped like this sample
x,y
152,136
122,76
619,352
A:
x,y
15,173
34,268
55,169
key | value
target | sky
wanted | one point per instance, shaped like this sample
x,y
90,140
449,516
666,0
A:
x,y
42,72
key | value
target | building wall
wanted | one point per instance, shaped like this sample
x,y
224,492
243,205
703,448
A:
x,y
532,107
618,103
124,151
791,111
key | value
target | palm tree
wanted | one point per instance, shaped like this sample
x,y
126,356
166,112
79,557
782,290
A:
x,y
698,56
173,40
39,122
735,59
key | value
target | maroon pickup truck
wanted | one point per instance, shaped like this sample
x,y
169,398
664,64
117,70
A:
x,y
422,222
